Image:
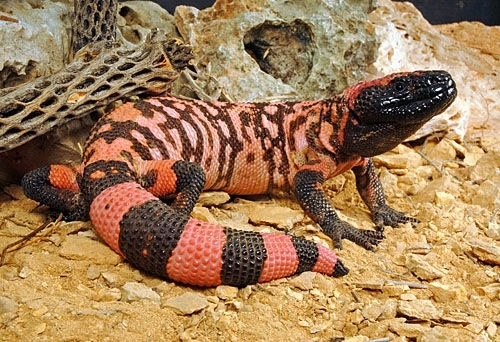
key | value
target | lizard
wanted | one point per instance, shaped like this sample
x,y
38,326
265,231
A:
x,y
145,164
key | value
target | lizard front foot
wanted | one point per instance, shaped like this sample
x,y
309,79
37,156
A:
x,y
386,216
367,239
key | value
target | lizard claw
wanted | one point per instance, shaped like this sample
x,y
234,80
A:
x,y
367,239
386,216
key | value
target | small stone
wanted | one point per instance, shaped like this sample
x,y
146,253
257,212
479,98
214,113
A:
x,y
472,155
441,152
40,328
492,291
393,290
408,296
487,194
204,214
421,268
25,272
226,292
493,230
93,272
187,303
421,309
267,214
375,284
372,311
133,291
107,295
294,294
406,329
77,247
444,199
40,311
486,252
448,292
213,198
486,167
7,305
419,248
491,329
303,281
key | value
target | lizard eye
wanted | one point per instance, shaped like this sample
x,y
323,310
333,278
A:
x,y
399,86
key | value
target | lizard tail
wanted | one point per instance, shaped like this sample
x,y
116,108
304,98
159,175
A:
x,y
161,241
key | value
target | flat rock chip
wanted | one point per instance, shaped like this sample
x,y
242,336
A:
x,y
188,303
132,291
420,308
82,248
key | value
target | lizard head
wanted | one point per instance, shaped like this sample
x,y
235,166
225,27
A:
x,y
386,111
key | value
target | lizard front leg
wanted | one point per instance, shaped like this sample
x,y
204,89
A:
x,y
168,177
370,189
309,192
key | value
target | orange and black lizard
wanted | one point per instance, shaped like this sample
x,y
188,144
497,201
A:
x,y
146,163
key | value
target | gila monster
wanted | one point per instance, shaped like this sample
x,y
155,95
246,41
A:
x,y
146,163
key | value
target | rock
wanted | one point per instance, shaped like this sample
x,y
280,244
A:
x,y
486,167
77,247
267,214
107,295
487,194
492,291
401,157
373,284
407,330
421,268
226,292
446,183
312,50
204,214
445,293
444,199
472,155
488,252
26,51
303,281
133,291
444,334
7,305
213,198
440,152
187,303
421,309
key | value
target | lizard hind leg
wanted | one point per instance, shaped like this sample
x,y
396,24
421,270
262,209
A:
x,y
56,186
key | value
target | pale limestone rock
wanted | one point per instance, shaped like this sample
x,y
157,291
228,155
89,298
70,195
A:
x,y
448,292
421,268
322,46
407,330
487,252
187,303
492,291
213,198
107,295
444,199
77,247
487,194
303,281
7,305
440,152
267,214
226,292
34,40
486,167
422,309
133,291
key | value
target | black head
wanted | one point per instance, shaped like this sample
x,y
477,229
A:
x,y
386,111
